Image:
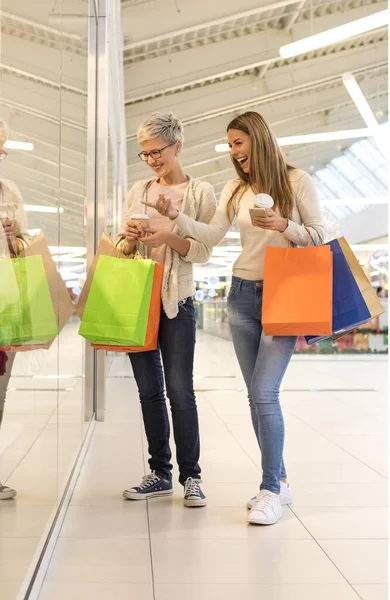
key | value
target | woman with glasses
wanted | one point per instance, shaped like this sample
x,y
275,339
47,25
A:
x,y
13,239
161,138
260,168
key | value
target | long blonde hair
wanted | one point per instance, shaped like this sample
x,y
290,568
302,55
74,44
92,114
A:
x,y
268,168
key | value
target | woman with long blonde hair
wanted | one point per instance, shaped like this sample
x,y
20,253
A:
x,y
261,168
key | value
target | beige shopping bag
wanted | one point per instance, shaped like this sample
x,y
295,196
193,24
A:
x,y
369,294
106,248
62,303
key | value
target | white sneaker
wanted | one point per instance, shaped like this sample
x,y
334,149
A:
x,y
267,509
6,493
285,496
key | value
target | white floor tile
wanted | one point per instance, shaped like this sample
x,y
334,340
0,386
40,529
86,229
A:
x,y
228,473
97,488
101,560
228,494
127,520
340,494
9,590
355,472
95,591
360,561
23,520
255,592
16,555
241,561
372,592
370,449
169,519
333,523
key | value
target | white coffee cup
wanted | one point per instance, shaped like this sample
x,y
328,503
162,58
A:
x,y
264,201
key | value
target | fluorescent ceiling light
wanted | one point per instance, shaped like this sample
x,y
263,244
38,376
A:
x,y
325,136
366,113
222,148
335,35
43,209
13,145
311,138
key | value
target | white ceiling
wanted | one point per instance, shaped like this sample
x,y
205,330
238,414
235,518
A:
x,y
213,59
206,61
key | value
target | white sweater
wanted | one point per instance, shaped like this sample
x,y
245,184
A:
x,y
250,264
199,203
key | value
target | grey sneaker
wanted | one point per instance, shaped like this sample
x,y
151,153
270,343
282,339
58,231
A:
x,y
151,486
6,493
193,495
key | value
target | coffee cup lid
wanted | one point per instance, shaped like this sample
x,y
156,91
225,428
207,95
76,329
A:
x,y
264,201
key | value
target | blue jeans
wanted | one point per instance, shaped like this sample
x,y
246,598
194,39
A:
x,y
263,361
176,350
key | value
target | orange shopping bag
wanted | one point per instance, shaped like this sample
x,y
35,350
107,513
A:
x,y
151,340
297,295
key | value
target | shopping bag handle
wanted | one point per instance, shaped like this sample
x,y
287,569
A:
x,y
310,241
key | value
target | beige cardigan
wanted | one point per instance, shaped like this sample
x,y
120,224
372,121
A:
x,y
199,203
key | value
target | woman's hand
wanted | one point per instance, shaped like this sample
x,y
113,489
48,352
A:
x,y
153,238
164,206
132,235
132,232
270,220
9,230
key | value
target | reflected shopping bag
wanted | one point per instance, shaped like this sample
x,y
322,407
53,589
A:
x,y
297,295
61,301
349,307
117,308
151,339
9,290
31,319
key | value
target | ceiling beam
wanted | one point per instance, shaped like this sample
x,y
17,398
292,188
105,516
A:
x,y
246,53
4,68
247,14
278,84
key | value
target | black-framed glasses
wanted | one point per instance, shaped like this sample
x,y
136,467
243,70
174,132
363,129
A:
x,y
155,154
3,154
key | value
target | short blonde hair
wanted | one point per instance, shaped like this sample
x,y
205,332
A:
x,y
161,125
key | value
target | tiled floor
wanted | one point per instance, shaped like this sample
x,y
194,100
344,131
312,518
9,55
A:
x,y
331,542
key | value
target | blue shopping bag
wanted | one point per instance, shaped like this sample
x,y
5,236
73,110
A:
x,y
349,307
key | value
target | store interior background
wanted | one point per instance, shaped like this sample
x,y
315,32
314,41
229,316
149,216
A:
x,y
76,79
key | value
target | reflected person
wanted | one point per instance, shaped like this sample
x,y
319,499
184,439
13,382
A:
x,y
14,239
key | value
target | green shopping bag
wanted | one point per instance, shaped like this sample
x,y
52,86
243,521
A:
x,y
9,291
27,318
117,308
